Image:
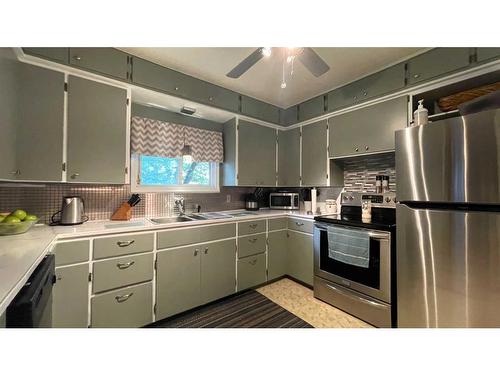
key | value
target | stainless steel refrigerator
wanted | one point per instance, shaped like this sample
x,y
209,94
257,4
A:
x,y
448,222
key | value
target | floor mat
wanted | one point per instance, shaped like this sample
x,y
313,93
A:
x,y
246,310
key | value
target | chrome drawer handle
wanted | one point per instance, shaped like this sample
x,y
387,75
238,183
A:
x,y
253,226
123,298
124,266
253,262
252,240
298,224
125,243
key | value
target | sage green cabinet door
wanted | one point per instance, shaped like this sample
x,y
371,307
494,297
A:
x,y
97,132
437,62
8,114
368,130
315,154
260,110
300,256
487,53
57,54
311,108
276,254
178,280
70,302
251,271
108,61
256,155
218,270
213,95
39,139
289,157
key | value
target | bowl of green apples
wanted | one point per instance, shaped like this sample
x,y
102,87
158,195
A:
x,y
16,222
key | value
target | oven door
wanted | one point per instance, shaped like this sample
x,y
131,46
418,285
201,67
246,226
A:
x,y
374,281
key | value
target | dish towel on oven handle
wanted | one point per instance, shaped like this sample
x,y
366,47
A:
x,y
350,246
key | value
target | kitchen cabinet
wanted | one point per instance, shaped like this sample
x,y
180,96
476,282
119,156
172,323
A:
x,y
251,245
186,236
315,154
107,61
193,275
311,108
256,155
71,252
437,62
367,130
251,271
277,254
215,96
70,297
290,115
300,256
251,227
57,54
377,84
487,53
123,245
260,110
289,157
97,132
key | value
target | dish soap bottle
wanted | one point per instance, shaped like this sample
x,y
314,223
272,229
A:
x,y
421,115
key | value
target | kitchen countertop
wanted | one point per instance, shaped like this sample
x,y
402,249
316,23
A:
x,y
21,254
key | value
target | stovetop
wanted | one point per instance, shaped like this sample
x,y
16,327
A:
x,y
382,218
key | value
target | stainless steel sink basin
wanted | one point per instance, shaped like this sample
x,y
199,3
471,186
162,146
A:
x,y
168,220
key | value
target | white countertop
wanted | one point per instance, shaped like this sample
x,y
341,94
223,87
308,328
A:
x,y
20,254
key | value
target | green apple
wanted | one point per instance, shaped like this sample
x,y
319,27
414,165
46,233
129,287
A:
x,y
11,220
2,217
30,217
20,214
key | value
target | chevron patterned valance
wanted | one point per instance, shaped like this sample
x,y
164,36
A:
x,y
159,138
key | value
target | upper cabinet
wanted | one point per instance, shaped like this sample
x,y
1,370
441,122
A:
x,y
312,108
487,53
289,157
378,84
263,111
437,62
367,130
57,54
107,61
249,154
97,132
31,122
315,154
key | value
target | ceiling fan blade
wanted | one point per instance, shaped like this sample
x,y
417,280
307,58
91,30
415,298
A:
x,y
313,62
246,64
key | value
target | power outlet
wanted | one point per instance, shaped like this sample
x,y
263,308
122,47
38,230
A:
x,y
228,198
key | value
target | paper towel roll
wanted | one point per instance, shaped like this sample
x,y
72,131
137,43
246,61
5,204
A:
x,y
313,200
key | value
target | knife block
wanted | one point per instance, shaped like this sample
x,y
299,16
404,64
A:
x,y
124,212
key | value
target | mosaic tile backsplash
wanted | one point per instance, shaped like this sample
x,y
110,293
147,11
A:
x,y
102,200
360,172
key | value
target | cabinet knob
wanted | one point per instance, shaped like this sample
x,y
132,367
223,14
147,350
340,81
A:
x,y
357,149
355,98
366,148
206,250
17,172
74,175
416,75
365,93
176,88
211,98
77,58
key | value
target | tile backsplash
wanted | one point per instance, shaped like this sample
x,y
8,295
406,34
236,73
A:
x,y
360,172
102,200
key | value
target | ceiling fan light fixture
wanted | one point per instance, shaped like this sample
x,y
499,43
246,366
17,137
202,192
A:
x,y
266,51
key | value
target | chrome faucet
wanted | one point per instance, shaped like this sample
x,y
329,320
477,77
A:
x,y
179,204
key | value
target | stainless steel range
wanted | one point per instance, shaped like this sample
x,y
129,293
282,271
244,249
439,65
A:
x,y
354,258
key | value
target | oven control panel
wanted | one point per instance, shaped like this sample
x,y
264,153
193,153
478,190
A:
x,y
378,200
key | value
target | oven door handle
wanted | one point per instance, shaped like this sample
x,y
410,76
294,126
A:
x,y
379,236
355,297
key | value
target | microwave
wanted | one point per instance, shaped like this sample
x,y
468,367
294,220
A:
x,y
284,201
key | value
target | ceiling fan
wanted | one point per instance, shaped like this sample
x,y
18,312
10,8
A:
x,y
306,55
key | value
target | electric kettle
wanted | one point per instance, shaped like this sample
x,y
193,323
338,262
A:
x,y
72,212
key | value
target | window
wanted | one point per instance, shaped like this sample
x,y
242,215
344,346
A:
x,y
157,174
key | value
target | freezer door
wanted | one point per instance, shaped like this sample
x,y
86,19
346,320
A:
x,y
448,268
454,160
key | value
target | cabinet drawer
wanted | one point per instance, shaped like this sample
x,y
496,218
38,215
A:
x,y
251,271
123,245
71,252
251,227
125,308
277,224
300,225
119,272
250,245
180,237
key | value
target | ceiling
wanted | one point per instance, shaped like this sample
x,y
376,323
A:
x,y
263,80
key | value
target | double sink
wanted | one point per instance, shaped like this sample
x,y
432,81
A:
x,y
200,216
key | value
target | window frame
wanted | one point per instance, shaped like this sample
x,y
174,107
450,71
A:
x,y
136,186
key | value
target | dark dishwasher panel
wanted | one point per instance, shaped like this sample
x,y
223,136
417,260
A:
x,y
32,307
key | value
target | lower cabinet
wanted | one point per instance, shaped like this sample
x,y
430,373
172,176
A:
x,y
251,271
276,254
193,275
123,308
300,256
70,297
